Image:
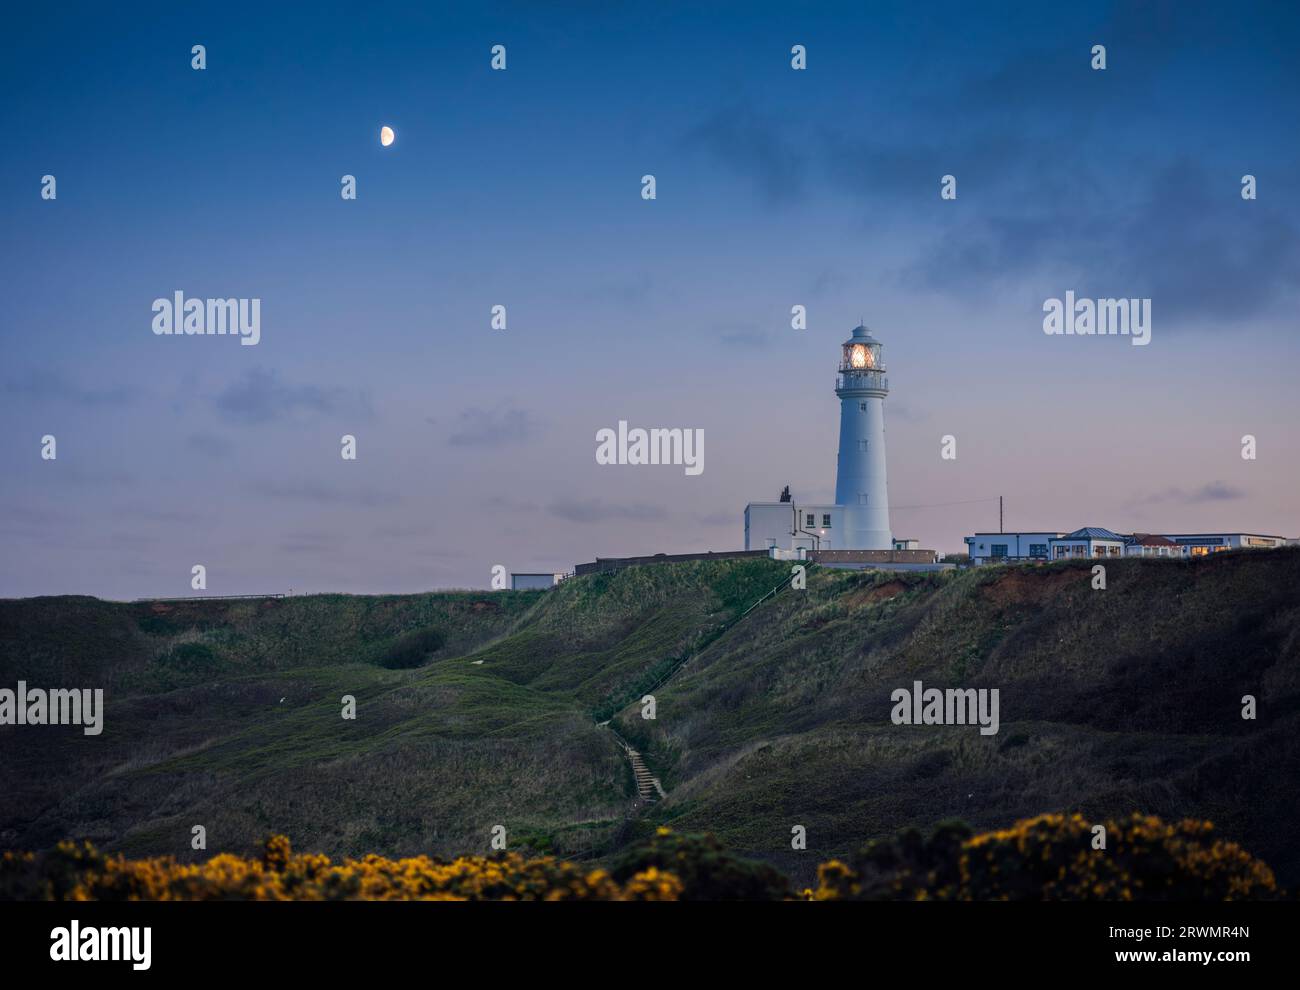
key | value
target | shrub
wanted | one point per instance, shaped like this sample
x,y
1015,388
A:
x,y
706,871
1045,858
80,872
412,649
1051,858
190,657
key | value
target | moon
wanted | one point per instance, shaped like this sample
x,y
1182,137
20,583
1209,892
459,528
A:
x,y
386,135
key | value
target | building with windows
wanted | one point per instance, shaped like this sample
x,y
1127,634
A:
x,y
1095,541
1199,544
1151,545
985,548
1091,541
792,525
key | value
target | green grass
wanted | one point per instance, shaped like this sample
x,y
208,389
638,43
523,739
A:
x,y
478,709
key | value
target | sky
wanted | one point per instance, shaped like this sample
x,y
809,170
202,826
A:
x,y
775,187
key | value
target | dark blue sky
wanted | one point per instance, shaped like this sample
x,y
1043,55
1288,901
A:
x,y
522,188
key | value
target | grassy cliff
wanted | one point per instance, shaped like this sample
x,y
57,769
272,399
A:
x,y
480,709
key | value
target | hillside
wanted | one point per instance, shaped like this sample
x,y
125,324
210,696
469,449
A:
x,y
227,714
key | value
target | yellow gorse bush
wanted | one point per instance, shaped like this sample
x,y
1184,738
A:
x,y
81,873
1050,857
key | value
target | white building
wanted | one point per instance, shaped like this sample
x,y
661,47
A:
x,y
859,519
1094,541
994,547
1152,545
793,526
1198,544
1091,541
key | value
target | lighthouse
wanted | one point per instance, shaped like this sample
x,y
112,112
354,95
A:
x,y
860,486
854,530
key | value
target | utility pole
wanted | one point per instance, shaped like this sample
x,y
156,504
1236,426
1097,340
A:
x,y
1000,530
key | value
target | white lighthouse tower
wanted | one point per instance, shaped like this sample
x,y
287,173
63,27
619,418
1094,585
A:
x,y
860,486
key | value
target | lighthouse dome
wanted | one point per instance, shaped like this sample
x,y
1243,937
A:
x,y
862,335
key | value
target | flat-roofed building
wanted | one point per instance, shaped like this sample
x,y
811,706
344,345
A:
x,y
994,548
1096,541
793,526
1199,544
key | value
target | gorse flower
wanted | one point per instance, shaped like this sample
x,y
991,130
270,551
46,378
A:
x,y
82,873
1050,857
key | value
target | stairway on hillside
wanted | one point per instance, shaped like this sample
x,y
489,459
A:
x,y
647,784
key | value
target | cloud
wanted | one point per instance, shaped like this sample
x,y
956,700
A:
x,y
512,504
754,146
1188,242
52,386
310,542
314,491
829,280
38,516
87,477
746,337
905,412
210,444
723,517
632,290
179,516
782,161
1198,250
402,532
1215,491
1137,221
591,510
261,397
493,428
